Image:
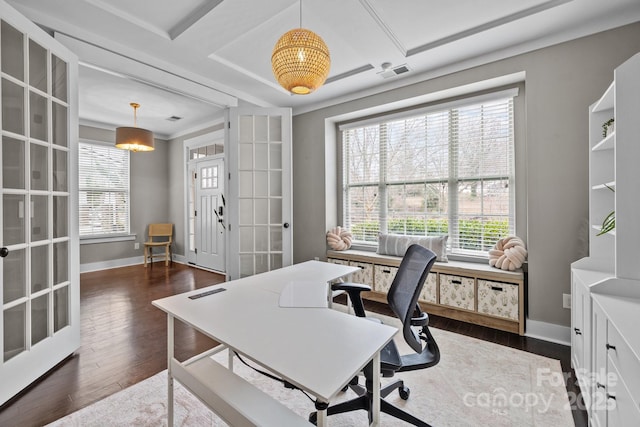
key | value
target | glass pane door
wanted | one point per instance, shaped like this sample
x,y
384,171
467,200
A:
x,y
260,138
38,292
34,187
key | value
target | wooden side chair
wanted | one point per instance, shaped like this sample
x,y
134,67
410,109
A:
x,y
160,236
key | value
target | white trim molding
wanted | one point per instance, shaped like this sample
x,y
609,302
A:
x,y
548,332
122,262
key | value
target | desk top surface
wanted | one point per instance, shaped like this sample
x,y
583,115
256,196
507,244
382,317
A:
x,y
317,349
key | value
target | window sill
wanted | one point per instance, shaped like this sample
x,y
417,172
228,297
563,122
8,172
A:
x,y
90,240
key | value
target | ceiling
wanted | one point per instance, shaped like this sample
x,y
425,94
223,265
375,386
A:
x,y
192,58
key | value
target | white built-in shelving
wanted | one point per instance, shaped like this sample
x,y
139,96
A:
x,y
606,285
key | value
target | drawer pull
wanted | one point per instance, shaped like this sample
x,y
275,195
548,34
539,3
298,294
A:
x,y
611,396
610,347
599,385
458,282
386,271
497,288
577,331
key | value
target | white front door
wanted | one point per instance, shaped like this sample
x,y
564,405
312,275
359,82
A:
x,y
210,211
39,268
259,154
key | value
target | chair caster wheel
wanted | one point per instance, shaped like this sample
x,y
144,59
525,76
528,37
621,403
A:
x,y
404,392
313,418
345,388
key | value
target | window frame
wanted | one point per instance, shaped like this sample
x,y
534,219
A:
x,y
517,199
106,237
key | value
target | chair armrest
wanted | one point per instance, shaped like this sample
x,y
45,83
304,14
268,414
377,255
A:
x,y
354,290
348,286
421,320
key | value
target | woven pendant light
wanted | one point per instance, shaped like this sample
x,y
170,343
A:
x,y
300,60
134,138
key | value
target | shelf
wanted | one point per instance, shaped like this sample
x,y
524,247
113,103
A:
x,y
607,185
599,227
607,143
606,100
592,274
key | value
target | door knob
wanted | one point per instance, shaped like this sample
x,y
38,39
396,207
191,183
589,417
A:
x,y
285,225
4,252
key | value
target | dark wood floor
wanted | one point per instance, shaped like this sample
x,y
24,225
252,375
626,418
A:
x,y
124,341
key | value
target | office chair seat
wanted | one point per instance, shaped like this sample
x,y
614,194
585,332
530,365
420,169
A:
x,y
403,300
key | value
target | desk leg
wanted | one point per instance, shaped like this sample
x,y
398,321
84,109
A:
x,y
322,418
376,390
169,373
230,357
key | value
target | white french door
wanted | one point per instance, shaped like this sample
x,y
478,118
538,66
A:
x,y
39,271
260,210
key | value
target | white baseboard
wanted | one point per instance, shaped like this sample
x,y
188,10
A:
x,y
548,332
122,262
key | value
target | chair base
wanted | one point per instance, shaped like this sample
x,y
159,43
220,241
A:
x,y
364,401
166,255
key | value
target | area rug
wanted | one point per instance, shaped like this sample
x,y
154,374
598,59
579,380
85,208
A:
x,y
476,383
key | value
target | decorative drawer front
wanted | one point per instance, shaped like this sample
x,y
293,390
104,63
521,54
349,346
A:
x,y
457,291
428,293
623,358
498,299
383,276
625,408
364,275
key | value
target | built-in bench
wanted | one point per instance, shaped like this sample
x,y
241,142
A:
x,y
467,291
236,401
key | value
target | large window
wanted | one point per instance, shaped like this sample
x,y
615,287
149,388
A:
x,y
104,190
447,169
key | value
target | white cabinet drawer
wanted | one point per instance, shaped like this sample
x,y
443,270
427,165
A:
x,y
625,362
457,291
364,275
498,299
383,277
624,410
428,293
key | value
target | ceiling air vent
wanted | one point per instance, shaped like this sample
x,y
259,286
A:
x,y
388,71
174,118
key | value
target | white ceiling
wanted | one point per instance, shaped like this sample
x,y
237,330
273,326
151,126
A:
x,y
191,58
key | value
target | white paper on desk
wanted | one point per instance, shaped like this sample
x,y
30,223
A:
x,y
305,293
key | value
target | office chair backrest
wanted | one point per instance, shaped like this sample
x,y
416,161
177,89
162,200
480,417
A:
x,y
406,287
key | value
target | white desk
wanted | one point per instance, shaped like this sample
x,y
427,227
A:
x,y
317,349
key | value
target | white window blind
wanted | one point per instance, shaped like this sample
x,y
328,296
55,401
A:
x,y
104,190
447,170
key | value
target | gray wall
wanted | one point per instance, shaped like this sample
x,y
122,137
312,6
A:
x,y
561,82
149,198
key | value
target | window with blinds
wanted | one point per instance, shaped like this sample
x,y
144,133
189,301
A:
x,y
447,169
104,190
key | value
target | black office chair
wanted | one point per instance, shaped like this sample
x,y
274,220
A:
x,y
403,300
